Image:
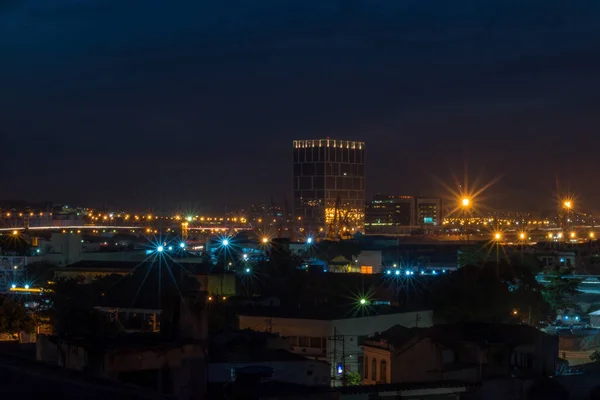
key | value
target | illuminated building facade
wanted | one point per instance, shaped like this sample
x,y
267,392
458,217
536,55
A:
x,y
429,211
329,185
384,213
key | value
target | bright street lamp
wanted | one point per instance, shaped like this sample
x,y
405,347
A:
x,y
363,301
265,240
225,242
309,240
497,236
160,249
182,245
522,236
465,202
568,204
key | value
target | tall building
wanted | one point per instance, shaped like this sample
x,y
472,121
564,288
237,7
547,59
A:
x,y
329,185
384,213
429,211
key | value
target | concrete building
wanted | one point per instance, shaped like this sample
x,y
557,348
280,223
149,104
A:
x,y
329,184
429,212
231,352
389,214
463,352
172,362
217,283
332,335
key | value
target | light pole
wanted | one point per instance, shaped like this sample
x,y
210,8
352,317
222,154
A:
x,y
497,238
522,240
225,245
465,203
568,205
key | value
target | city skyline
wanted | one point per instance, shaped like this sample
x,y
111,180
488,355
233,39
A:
x,y
162,106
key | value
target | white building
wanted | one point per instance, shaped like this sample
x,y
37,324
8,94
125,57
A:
x,y
337,339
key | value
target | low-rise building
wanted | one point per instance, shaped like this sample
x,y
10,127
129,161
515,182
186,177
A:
x,y
232,352
462,352
333,334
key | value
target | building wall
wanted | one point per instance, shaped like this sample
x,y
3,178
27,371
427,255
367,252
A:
x,y
309,372
372,376
344,337
323,171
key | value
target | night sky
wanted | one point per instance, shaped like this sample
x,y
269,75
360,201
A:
x,y
159,103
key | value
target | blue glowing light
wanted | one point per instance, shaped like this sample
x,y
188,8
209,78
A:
x,y
37,251
434,272
422,272
225,242
182,245
247,270
388,272
562,260
566,317
407,273
340,369
170,247
309,240
443,271
576,318
160,249
13,286
397,272
26,286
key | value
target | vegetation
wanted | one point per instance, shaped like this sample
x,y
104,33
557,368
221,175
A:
x,y
595,356
560,289
353,379
14,318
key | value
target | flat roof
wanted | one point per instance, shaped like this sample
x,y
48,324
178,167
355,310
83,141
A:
x,y
329,312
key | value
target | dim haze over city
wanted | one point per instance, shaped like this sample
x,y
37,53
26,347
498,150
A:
x,y
159,104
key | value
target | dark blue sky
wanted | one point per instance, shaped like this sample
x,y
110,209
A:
x,y
142,103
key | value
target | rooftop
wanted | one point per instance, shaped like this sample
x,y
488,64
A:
x,y
29,379
463,332
330,312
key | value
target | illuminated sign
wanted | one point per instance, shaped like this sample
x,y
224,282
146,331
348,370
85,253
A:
x,y
428,220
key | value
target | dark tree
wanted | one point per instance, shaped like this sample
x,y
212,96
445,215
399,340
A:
x,y
14,318
560,289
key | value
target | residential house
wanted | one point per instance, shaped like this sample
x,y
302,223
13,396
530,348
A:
x,y
467,352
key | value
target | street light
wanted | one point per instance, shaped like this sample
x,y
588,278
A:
x,y
592,235
225,242
568,204
182,245
363,301
160,249
522,236
265,240
572,235
309,240
465,202
498,236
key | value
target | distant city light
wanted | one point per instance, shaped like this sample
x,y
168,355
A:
x,y
497,236
407,272
363,301
26,286
160,249
568,204
521,236
397,272
388,272
265,240
465,202
247,270
170,247
13,286
182,245
309,240
225,242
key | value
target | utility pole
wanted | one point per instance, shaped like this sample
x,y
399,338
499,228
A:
x,y
344,380
335,350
